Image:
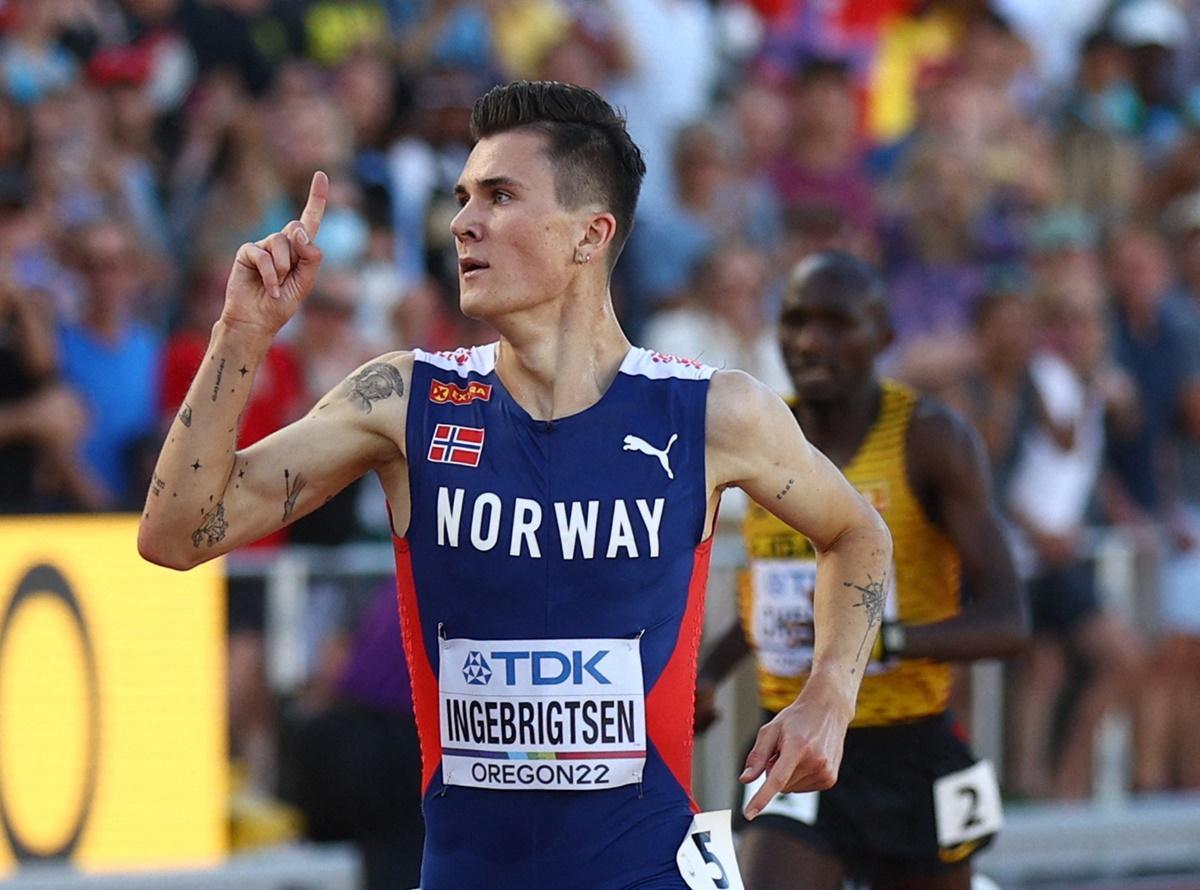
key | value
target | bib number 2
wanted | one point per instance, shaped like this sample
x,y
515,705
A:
x,y
967,805
705,858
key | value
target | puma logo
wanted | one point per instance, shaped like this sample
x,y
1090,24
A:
x,y
636,443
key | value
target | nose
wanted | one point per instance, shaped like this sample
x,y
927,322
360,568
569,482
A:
x,y
466,225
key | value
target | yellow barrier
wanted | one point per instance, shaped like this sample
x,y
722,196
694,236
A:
x,y
112,701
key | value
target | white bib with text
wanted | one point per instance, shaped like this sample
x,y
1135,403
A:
x,y
542,714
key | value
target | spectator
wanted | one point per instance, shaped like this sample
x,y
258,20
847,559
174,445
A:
x,y
726,324
112,360
1049,499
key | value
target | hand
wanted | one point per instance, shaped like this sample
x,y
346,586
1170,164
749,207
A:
x,y
271,277
801,749
706,706
55,418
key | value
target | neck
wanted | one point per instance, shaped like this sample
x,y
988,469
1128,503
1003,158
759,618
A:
x,y
837,428
559,358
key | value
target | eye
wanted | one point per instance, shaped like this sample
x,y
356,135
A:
x,y
460,199
502,197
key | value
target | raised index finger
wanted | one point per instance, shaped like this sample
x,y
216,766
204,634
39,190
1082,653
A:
x,y
310,218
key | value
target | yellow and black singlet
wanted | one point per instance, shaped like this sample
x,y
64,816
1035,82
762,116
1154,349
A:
x,y
776,590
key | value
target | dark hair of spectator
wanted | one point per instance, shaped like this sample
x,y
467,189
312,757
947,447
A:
x,y
594,158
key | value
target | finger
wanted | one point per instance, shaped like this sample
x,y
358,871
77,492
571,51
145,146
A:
x,y
280,249
760,754
777,778
302,245
314,210
254,256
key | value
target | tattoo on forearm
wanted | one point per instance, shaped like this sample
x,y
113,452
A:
x,y
157,485
217,385
374,383
213,528
185,416
196,465
785,490
243,370
293,487
874,595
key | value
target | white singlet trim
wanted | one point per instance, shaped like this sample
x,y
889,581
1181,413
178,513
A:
x,y
660,366
462,361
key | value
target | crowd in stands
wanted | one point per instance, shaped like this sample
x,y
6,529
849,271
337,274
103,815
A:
x,y
1026,174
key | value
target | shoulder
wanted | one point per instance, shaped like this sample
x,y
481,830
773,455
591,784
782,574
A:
x,y
743,412
462,361
943,448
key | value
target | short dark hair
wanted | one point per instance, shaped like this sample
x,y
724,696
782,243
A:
x,y
846,278
593,156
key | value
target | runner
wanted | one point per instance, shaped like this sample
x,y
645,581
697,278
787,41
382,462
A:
x,y
552,497
912,804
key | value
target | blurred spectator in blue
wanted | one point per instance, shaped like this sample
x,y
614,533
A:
x,y
725,322
33,64
1103,96
1154,31
712,205
112,360
1151,343
1169,736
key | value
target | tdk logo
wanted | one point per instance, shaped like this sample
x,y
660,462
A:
x,y
476,670
548,667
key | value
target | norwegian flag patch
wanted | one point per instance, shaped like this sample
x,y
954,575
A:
x,y
451,444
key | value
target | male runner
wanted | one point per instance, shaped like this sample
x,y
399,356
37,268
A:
x,y
552,497
909,807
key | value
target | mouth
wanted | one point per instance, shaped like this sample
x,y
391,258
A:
x,y
469,267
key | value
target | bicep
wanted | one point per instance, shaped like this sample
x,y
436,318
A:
x,y
767,455
298,468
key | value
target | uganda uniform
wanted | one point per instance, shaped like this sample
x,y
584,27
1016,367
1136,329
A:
x,y
899,804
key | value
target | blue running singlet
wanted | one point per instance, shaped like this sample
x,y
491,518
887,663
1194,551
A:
x,y
551,588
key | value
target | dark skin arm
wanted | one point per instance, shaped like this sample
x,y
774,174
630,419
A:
x,y
950,476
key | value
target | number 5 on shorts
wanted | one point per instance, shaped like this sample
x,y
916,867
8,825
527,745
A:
x,y
705,857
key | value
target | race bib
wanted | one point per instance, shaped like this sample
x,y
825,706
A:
x,y
966,805
542,714
782,620
798,805
705,858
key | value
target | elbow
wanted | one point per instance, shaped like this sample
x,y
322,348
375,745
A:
x,y
153,549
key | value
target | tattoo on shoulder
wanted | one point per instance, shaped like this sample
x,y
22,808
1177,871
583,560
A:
x,y
785,489
185,416
374,383
874,596
213,528
292,486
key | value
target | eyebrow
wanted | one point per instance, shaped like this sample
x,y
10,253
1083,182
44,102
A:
x,y
492,182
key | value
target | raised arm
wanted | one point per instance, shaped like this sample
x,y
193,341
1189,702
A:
x,y
949,470
206,498
756,444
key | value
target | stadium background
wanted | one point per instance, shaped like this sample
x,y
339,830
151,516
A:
x,y
1019,170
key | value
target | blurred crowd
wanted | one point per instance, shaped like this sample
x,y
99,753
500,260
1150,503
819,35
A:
x,y
1026,175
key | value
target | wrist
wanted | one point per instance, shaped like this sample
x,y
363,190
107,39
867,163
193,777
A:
x,y
836,695
247,336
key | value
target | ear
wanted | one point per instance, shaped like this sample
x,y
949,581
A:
x,y
598,234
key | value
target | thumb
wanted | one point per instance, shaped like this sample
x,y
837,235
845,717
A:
x,y
306,249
